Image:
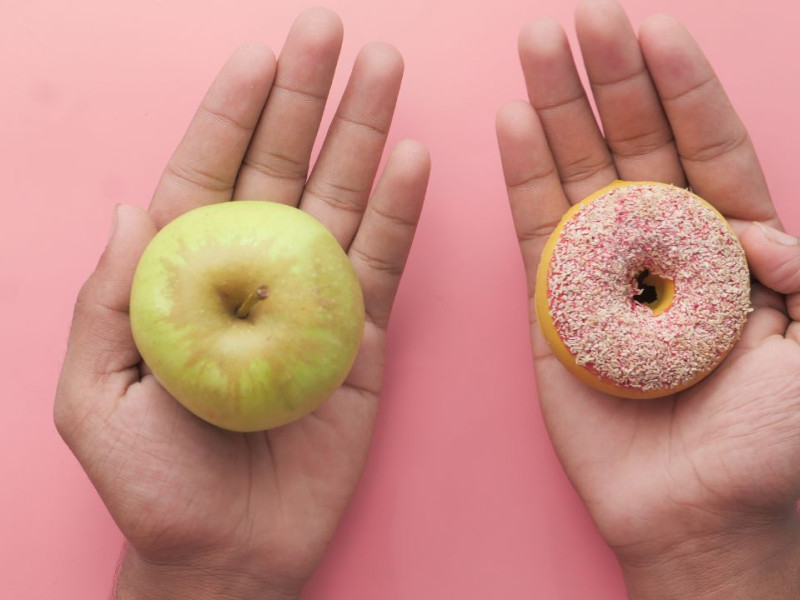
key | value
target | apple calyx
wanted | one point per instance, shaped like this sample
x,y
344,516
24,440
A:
x,y
261,293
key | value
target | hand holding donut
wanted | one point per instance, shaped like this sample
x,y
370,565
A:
x,y
696,491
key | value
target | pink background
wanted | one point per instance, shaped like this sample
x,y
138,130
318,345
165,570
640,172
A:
x,y
462,495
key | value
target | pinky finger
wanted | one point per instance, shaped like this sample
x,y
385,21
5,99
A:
x,y
381,246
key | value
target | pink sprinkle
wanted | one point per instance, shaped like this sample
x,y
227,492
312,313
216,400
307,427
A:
x,y
592,281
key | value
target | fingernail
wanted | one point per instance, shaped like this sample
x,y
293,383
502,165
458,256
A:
x,y
114,221
779,237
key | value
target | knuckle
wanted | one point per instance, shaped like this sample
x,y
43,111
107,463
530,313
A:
x,y
196,176
392,219
640,144
339,197
582,168
533,180
227,120
537,233
376,263
275,165
717,149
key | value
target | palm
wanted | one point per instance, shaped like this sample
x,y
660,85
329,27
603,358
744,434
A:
x,y
723,444
719,445
177,486
258,494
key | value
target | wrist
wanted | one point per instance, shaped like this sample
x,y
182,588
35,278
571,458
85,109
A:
x,y
751,562
139,579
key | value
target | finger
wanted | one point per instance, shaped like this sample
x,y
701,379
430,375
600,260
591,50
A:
x,y
534,188
276,164
381,246
774,257
762,324
763,297
716,152
635,127
793,332
341,182
204,167
378,253
101,353
555,91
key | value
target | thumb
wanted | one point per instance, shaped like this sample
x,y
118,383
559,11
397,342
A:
x,y
774,257
101,346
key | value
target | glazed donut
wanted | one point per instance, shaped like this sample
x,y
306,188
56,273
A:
x,y
642,289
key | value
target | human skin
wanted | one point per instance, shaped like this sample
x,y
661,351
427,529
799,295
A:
x,y
209,513
695,492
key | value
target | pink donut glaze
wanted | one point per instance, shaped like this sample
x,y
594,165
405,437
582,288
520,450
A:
x,y
592,281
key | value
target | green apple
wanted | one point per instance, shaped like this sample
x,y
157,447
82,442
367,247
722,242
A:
x,y
248,313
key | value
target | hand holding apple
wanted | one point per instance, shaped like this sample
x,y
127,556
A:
x,y
249,313
199,505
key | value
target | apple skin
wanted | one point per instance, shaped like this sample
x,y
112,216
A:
x,y
294,348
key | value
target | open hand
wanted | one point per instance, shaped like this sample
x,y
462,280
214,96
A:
x,y
697,490
211,513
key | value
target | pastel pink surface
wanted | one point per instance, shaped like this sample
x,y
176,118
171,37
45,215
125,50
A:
x,y
462,496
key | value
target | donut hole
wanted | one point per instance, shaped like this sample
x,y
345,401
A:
x,y
654,291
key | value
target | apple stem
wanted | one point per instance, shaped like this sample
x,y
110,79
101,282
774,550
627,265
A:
x,y
257,296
